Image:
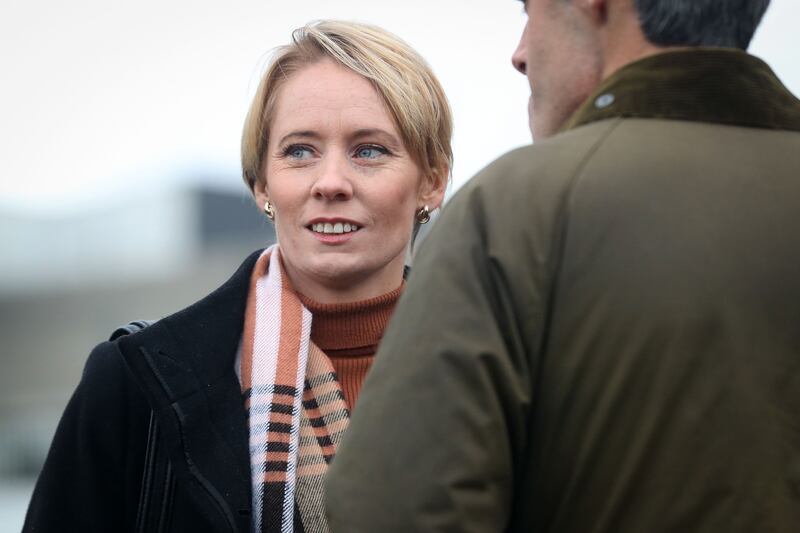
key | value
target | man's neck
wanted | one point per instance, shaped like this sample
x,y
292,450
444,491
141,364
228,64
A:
x,y
622,39
616,61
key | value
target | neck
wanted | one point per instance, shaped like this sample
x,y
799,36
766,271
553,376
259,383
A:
x,y
620,58
622,41
348,289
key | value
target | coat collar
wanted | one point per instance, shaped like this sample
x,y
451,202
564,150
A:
x,y
715,85
184,364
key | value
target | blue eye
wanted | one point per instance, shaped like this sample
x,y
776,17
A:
x,y
370,152
297,151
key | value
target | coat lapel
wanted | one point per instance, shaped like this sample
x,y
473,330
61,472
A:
x,y
184,364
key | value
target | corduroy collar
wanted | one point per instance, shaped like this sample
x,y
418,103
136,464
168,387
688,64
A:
x,y
716,85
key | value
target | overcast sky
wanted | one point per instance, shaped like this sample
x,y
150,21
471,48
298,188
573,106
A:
x,y
101,100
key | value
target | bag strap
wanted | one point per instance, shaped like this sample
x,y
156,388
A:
x,y
130,327
158,480
158,485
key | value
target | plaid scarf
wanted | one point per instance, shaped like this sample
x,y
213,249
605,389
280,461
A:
x,y
296,410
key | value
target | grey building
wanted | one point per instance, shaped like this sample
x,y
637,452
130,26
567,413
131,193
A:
x,y
66,283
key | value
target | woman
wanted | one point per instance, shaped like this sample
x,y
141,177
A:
x,y
346,146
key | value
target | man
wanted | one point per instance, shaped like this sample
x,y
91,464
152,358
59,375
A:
x,y
602,333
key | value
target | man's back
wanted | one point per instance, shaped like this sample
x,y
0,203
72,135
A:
x,y
603,330
670,376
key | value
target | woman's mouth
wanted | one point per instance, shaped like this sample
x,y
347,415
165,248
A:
x,y
335,228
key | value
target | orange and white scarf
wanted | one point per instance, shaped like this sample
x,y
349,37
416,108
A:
x,y
296,409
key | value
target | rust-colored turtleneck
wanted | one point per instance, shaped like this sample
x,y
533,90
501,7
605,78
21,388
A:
x,y
349,334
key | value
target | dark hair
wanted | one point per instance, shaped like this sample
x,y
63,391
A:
x,y
727,23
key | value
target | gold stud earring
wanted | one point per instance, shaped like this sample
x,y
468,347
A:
x,y
423,214
269,210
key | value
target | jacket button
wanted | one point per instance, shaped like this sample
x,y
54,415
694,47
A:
x,y
604,100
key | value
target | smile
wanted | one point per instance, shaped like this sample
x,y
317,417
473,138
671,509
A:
x,y
336,228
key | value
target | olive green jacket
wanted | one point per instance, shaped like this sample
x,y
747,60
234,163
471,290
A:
x,y
602,332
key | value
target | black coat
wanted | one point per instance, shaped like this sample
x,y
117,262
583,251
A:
x,y
182,368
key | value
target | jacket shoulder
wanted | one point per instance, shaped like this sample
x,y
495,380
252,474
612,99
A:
x,y
89,481
518,203
107,387
545,168
104,362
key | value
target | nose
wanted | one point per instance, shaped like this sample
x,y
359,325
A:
x,y
333,183
519,57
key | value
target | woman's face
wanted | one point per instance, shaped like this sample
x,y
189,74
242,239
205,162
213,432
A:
x,y
344,188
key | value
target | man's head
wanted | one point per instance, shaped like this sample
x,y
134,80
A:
x,y
726,23
569,46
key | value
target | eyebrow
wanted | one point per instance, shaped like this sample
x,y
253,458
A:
x,y
368,132
305,134
358,134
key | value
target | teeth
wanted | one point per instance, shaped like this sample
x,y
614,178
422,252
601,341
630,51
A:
x,y
336,228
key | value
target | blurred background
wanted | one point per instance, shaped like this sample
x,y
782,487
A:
x,y
120,190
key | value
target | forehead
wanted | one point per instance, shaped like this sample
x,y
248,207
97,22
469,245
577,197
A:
x,y
328,95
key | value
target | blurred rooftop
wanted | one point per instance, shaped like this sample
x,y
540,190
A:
x,y
147,239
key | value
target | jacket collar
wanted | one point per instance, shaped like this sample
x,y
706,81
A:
x,y
716,85
184,364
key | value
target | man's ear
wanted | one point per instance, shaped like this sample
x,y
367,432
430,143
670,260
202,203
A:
x,y
432,188
597,10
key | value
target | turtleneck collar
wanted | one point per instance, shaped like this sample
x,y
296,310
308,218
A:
x,y
347,329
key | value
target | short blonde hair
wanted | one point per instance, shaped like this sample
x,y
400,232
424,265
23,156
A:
x,y
412,94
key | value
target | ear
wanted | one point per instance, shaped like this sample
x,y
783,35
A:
x,y
260,192
432,189
597,10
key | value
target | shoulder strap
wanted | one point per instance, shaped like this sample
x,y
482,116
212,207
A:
x,y
131,327
158,481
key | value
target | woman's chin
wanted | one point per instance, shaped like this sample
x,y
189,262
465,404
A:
x,y
342,275
348,277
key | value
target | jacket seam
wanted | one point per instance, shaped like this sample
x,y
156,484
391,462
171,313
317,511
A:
x,y
561,229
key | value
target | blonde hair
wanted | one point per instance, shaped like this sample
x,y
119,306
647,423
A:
x,y
402,78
